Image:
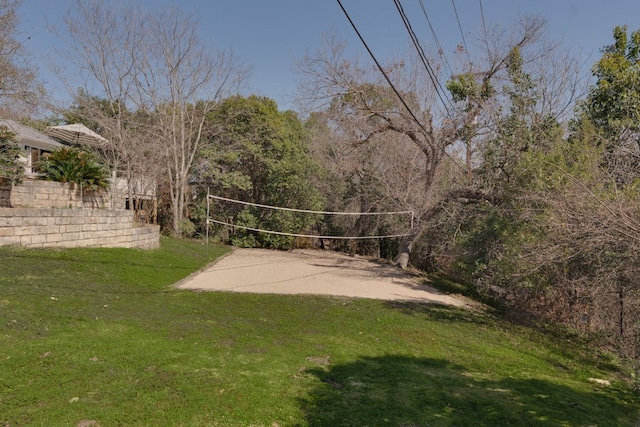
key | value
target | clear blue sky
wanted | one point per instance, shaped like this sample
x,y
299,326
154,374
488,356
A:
x,y
270,34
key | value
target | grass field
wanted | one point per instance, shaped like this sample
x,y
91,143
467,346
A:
x,y
99,337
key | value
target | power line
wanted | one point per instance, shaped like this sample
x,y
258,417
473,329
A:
x,y
366,46
484,25
423,57
404,103
464,41
435,38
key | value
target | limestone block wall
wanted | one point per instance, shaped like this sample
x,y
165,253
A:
x,y
49,194
5,195
53,227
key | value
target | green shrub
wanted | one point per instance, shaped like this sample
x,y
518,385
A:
x,y
74,166
9,153
186,227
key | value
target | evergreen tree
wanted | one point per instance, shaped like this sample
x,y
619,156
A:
x,y
613,105
10,168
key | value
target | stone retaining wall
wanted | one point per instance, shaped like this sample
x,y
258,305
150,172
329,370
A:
x,y
32,227
49,194
5,195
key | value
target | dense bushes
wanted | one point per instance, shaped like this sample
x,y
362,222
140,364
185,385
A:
x,y
556,233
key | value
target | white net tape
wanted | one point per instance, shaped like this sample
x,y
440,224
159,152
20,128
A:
x,y
305,223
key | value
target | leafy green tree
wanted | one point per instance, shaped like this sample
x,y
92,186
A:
x,y
74,166
522,130
497,233
257,153
488,237
613,105
10,168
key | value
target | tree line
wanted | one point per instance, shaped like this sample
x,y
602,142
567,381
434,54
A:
x,y
522,172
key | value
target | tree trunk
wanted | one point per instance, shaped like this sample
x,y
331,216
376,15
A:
x,y
621,311
175,210
404,252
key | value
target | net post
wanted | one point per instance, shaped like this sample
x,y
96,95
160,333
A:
x,y
206,226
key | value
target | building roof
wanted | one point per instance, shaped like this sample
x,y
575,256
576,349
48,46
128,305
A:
x,y
29,136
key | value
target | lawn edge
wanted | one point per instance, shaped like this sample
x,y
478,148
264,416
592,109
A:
x,y
200,270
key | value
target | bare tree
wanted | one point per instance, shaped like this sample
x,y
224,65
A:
x,y
101,53
20,90
384,174
182,82
363,106
160,81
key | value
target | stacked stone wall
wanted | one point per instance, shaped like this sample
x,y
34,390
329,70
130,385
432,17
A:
x,y
5,195
33,227
48,194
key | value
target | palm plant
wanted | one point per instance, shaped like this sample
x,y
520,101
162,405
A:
x,y
74,166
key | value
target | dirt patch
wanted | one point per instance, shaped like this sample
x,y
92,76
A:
x,y
313,272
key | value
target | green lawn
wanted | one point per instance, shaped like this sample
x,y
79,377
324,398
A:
x,y
99,337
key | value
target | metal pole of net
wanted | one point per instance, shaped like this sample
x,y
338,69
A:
x,y
207,220
302,223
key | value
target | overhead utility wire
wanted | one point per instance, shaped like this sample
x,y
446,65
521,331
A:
x,y
404,103
484,25
464,41
353,25
423,57
435,38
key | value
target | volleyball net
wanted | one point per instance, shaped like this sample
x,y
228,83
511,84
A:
x,y
240,218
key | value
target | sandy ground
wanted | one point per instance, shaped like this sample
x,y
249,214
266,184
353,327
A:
x,y
312,272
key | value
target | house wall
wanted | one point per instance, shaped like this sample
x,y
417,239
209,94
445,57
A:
x,y
49,194
40,227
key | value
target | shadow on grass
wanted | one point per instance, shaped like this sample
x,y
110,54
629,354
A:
x,y
372,267
438,312
406,391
